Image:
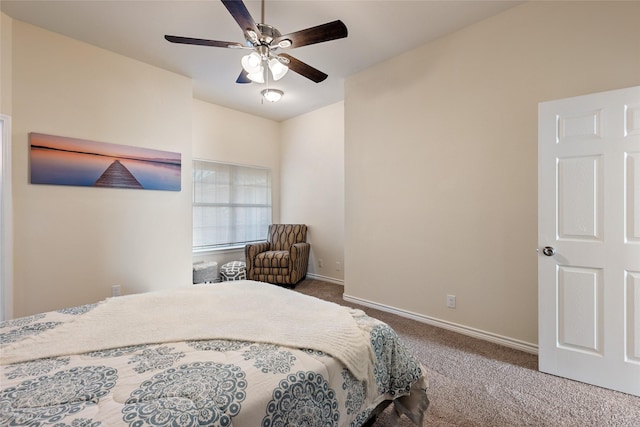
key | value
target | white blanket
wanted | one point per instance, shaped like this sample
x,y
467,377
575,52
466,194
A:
x,y
241,310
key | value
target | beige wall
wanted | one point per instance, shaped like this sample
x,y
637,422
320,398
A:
x,y
313,185
441,159
6,24
71,244
224,135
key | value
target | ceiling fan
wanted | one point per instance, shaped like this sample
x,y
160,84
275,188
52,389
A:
x,y
265,41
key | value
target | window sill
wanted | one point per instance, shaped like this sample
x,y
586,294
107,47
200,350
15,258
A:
x,y
224,250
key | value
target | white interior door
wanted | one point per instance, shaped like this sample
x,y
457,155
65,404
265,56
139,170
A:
x,y
589,239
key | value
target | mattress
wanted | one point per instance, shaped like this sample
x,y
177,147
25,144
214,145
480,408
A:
x,y
56,371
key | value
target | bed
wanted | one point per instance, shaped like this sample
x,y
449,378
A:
x,y
239,353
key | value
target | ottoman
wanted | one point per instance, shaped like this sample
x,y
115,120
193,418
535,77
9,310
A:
x,y
234,270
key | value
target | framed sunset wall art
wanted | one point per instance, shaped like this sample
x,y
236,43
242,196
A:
x,y
59,160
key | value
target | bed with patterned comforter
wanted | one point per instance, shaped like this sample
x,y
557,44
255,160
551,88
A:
x,y
242,353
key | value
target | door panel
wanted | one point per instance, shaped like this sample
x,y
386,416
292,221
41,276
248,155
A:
x,y
580,201
580,325
589,211
633,198
633,316
578,127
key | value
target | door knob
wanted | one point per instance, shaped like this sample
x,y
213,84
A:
x,y
549,250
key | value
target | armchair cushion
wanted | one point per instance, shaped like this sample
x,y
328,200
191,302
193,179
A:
x,y
272,259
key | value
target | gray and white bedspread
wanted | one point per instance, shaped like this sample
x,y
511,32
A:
x,y
203,382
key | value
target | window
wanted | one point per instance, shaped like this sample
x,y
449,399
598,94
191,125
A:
x,y
231,205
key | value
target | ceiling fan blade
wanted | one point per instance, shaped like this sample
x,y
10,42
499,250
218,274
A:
x,y
321,33
303,69
243,77
239,11
202,42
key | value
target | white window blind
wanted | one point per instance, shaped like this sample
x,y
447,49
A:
x,y
231,205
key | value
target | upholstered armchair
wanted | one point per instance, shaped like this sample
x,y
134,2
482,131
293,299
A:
x,y
283,259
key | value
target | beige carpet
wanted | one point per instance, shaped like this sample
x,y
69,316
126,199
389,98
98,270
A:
x,y
477,383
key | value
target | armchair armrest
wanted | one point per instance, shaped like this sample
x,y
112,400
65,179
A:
x,y
253,249
299,260
250,252
300,250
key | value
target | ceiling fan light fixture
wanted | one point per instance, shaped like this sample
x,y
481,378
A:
x,y
278,69
272,95
257,77
252,63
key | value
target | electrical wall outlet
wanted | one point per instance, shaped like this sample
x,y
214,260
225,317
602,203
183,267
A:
x,y
116,291
320,263
451,301
338,265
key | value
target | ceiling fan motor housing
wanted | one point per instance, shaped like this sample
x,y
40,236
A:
x,y
268,33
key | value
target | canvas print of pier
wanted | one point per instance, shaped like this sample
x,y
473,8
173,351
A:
x,y
59,160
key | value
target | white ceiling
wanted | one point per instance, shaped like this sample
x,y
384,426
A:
x,y
378,30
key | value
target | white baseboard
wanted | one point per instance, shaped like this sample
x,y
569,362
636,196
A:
x,y
325,279
464,330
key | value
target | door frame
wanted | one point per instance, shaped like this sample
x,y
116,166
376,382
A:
x,y
6,225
